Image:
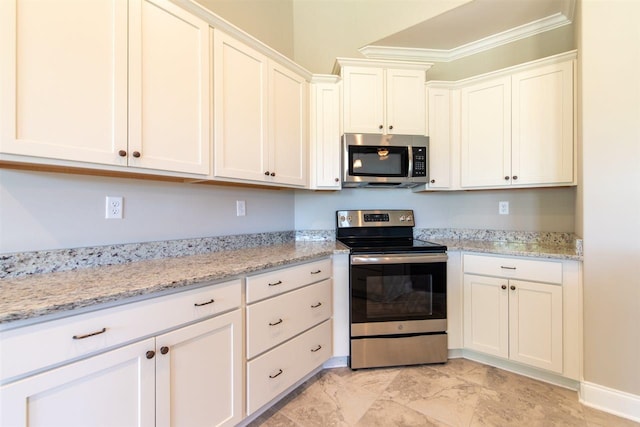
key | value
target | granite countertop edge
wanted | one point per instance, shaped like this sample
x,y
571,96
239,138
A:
x,y
48,296
42,297
535,250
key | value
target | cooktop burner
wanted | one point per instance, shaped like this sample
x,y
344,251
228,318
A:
x,y
388,231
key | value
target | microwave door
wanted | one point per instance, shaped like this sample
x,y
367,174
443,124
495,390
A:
x,y
378,161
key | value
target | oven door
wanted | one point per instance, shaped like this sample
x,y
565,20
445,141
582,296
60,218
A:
x,y
398,294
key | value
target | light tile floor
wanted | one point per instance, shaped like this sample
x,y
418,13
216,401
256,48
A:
x,y
458,393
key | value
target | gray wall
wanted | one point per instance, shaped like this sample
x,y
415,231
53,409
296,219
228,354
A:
x,y
609,62
51,211
549,209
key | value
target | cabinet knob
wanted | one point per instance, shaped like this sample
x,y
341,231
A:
x,y
337,179
513,288
136,154
150,354
504,286
515,177
164,350
266,173
272,174
391,127
433,181
506,178
380,127
122,153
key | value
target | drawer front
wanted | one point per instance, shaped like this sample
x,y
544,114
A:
x,y
275,371
273,283
275,320
514,268
36,347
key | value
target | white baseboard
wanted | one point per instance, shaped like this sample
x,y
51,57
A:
x,y
606,399
336,362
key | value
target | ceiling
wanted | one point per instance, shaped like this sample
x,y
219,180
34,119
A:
x,y
473,27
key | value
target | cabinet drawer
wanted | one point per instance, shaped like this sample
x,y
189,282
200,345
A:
x,y
275,371
38,346
275,320
273,283
514,268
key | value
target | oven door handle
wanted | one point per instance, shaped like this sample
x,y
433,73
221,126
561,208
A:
x,y
397,258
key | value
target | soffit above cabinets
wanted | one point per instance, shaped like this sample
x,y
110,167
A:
x,y
472,28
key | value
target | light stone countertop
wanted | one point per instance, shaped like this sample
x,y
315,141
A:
x,y
40,295
527,249
31,297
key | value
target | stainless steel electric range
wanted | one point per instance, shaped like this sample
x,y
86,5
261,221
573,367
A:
x,y
398,290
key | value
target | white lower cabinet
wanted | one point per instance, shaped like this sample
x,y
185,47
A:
x,y
519,320
190,375
275,371
289,332
199,373
115,388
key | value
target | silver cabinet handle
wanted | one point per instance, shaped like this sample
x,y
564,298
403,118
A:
x,y
316,272
277,374
81,337
313,350
275,323
316,305
200,304
279,282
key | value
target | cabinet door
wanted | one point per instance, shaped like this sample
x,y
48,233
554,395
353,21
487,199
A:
x,y
168,88
288,98
113,389
486,134
542,140
324,164
63,93
535,324
240,110
439,137
405,102
363,100
486,315
199,376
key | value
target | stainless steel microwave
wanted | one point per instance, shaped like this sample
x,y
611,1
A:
x,y
374,160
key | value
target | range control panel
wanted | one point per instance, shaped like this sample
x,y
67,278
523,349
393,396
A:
x,y
375,218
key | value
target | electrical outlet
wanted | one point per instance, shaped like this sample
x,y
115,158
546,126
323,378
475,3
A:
x,y
114,207
241,208
503,208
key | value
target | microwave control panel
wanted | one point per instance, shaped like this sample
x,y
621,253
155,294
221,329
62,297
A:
x,y
419,161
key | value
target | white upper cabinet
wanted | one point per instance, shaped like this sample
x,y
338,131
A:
x,y
324,135
169,77
382,97
64,79
518,129
542,125
440,133
486,133
105,82
260,116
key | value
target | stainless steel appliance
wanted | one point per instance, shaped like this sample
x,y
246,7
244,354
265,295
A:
x,y
398,290
374,160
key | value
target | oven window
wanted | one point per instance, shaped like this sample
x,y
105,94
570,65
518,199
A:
x,y
398,292
383,161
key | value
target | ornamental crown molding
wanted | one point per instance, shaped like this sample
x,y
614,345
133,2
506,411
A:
x,y
442,55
